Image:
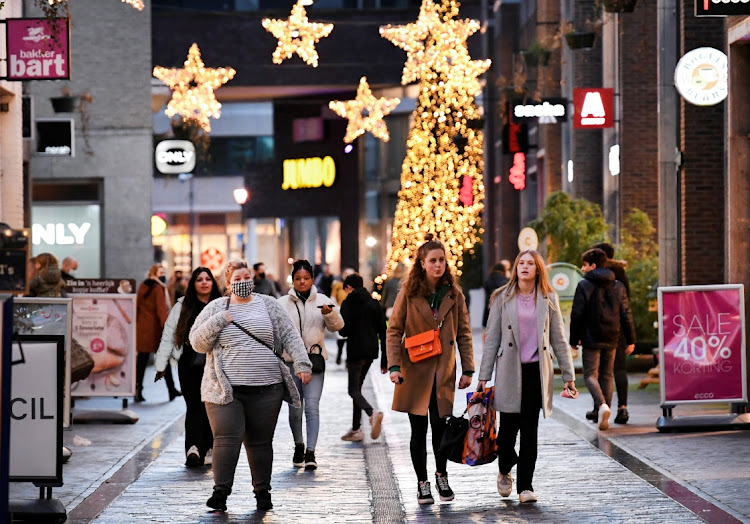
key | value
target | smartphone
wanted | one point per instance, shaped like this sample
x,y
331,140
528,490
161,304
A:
x,y
568,393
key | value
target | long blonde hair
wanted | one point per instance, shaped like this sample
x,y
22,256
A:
x,y
542,278
232,266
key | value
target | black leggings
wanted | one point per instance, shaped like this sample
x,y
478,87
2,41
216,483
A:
x,y
418,444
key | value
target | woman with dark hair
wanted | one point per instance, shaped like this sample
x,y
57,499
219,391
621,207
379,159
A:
x,y
311,313
201,289
430,299
525,327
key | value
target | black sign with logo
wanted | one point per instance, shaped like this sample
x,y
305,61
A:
x,y
722,7
515,138
13,263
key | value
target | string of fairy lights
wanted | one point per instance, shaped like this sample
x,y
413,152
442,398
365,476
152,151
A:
x,y
441,181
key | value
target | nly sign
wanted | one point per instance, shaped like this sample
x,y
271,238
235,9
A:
x,y
722,7
593,108
38,49
308,172
175,156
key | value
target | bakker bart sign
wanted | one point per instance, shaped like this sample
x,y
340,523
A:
x,y
38,49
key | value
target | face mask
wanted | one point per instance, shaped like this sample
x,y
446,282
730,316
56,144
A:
x,y
242,289
163,279
261,276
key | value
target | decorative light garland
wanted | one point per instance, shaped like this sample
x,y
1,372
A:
x,y
441,177
365,102
193,89
296,35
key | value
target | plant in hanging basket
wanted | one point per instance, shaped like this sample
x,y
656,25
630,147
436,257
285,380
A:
x,y
536,54
580,39
619,6
65,104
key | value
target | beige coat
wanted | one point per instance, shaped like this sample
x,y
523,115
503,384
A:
x,y
502,352
411,316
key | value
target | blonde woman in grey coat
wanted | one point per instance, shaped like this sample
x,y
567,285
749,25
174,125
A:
x,y
524,328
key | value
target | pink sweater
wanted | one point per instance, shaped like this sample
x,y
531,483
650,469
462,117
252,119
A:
x,y
527,326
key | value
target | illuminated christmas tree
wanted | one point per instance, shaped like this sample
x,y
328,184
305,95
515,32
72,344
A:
x,y
441,176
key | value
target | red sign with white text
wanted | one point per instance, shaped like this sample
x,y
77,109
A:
x,y
702,343
593,108
38,49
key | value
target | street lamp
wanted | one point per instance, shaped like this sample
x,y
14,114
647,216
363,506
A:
x,y
241,195
188,177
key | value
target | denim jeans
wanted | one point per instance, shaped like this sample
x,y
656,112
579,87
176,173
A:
x,y
250,418
310,395
598,371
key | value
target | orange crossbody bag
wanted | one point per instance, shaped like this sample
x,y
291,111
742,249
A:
x,y
424,345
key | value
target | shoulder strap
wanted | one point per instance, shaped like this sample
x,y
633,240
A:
x,y
259,341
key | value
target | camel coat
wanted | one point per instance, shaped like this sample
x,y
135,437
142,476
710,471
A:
x,y
411,316
501,351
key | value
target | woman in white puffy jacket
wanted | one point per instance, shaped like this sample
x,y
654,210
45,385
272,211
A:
x,y
311,313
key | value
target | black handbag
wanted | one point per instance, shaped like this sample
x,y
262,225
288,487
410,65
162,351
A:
x,y
316,359
199,361
454,438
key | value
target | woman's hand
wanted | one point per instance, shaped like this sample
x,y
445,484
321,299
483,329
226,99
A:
x,y
630,349
326,309
159,375
304,377
481,384
571,385
397,378
464,382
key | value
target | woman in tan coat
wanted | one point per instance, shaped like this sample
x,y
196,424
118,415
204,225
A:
x,y
430,299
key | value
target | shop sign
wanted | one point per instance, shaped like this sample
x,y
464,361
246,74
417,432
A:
x,y
124,286
68,231
55,136
213,259
702,344
308,172
548,111
13,264
38,49
593,108
175,156
517,175
701,76
722,7
515,138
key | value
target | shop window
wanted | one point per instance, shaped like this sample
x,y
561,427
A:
x,y
236,155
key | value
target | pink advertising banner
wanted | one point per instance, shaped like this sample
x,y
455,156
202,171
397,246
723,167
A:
x,y
38,49
702,344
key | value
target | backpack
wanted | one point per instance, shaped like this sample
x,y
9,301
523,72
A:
x,y
604,314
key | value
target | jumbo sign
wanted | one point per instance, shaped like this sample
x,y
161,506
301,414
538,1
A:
x,y
308,172
38,49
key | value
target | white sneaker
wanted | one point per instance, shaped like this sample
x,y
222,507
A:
x,y
526,496
604,413
504,484
209,459
376,424
353,436
193,457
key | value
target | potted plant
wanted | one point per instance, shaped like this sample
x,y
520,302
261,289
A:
x,y
579,38
66,103
619,6
536,55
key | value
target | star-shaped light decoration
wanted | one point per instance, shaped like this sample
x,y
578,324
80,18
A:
x,y
296,35
365,113
193,89
432,44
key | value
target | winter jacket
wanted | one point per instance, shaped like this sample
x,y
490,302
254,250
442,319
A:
x,y
502,351
618,268
364,324
167,347
264,286
597,325
494,281
47,283
152,310
309,320
412,315
204,337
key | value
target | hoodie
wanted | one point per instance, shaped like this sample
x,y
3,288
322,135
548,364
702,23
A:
x,y
601,310
364,325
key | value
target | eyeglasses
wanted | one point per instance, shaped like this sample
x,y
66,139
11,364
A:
x,y
477,421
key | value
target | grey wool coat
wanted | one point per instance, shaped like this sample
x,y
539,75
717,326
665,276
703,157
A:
x,y
502,352
204,337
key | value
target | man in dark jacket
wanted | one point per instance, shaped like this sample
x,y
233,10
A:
x,y
364,325
600,311
497,278
261,284
621,363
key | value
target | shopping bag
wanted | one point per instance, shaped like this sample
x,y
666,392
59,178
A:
x,y
454,438
481,435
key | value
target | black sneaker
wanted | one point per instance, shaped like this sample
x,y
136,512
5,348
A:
x,y
310,460
593,416
218,500
445,491
263,500
299,456
424,495
622,416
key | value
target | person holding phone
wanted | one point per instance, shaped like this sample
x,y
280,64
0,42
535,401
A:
x,y
311,313
524,328
430,299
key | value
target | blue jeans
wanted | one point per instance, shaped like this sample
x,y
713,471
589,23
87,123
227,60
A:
x,y
310,395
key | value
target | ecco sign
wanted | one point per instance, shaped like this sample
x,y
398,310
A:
x,y
701,76
722,7
593,108
175,156
38,49
549,111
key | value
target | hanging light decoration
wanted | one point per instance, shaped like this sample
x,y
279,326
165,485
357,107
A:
x,y
365,113
193,89
296,35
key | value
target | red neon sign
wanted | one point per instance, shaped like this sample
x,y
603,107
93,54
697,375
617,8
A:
x,y
593,108
517,175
